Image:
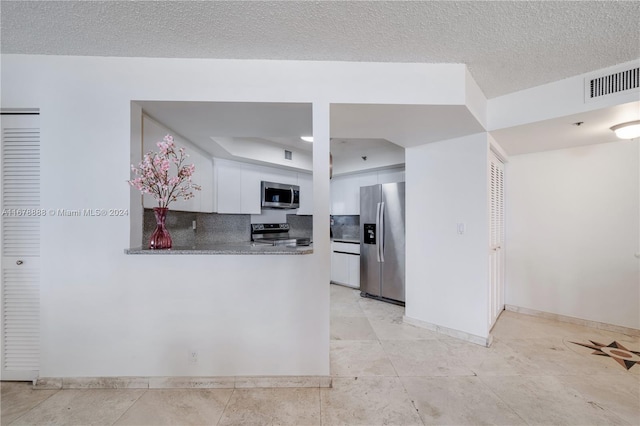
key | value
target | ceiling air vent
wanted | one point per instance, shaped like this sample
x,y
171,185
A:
x,y
611,84
287,155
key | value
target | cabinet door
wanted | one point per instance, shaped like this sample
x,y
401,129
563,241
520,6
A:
x,y
354,270
306,194
334,267
250,190
20,246
390,176
337,189
228,187
279,176
345,192
204,168
351,200
200,177
340,268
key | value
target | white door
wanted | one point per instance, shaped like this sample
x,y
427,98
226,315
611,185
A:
x,y
20,228
496,235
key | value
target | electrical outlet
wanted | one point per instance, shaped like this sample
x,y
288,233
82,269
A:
x,y
193,357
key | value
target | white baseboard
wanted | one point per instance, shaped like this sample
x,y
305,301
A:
x,y
230,382
572,320
472,338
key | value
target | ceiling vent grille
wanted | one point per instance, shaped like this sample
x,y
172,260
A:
x,y
620,82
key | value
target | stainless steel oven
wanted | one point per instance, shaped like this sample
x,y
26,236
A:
x,y
275,234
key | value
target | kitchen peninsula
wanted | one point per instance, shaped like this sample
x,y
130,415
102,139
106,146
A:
x,y
229,248
212,234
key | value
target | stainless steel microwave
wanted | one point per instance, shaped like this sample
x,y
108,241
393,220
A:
x,y
280,195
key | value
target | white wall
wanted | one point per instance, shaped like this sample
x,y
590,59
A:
x,y
572,231
105,313
476,101
447,273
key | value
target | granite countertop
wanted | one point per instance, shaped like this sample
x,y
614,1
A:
x,y
226,248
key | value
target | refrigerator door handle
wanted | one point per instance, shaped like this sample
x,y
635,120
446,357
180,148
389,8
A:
x,y
378,232
381,233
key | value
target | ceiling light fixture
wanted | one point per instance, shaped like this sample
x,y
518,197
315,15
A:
x,y
307,138
629,130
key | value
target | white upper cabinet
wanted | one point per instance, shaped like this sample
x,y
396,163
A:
x,y
228,181
153,132
250,198
238,186
345,190
305,181
279,176
390,176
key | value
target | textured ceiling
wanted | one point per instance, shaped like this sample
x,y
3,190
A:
x,y
508,46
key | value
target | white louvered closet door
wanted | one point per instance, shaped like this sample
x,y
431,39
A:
x,y
496,235
20,294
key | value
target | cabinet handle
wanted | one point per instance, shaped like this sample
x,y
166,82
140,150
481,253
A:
x,y
19,262
346,252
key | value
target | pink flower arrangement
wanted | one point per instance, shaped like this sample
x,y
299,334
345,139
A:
x,y
152,174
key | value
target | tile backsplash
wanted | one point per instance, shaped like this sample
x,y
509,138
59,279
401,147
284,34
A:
x,y
347,227
213,228
300,226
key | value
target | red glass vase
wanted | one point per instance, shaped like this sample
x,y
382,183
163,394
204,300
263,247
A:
x,y
160,239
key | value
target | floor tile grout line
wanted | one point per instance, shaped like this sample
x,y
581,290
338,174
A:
x,y
382,346
502,400
566,386
129,408
233,391
401,381
584,398
320,400
379,340
34,407
397,375
413,403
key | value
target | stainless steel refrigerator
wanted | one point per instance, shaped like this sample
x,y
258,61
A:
x,y
382,241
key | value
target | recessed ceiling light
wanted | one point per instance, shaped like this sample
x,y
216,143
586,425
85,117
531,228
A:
x,y
307,138
629,130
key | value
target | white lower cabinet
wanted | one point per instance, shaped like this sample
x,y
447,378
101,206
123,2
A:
x,y
345,264
354,270
340,268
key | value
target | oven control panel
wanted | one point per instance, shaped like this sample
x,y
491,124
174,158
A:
x,y
269,227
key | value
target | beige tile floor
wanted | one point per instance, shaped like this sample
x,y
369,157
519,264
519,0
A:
x,y
387,373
